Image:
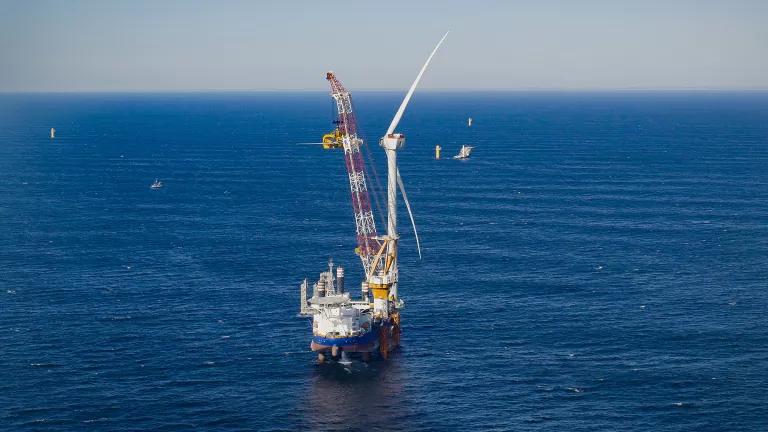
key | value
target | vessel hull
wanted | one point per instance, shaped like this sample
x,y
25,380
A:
x,y
364,343
386,335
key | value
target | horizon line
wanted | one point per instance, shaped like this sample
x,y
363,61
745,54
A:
x,y
391,90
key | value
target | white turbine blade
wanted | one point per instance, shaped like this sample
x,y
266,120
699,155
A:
x,y
401,110
408,206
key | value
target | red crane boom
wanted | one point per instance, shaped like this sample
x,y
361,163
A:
x,y
365,225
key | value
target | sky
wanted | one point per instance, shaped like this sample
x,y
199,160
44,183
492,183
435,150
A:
x,y
136,45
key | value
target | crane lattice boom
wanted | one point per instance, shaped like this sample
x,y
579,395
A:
x,y
361,203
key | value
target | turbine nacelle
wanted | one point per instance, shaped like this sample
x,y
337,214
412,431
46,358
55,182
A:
x,y
393,141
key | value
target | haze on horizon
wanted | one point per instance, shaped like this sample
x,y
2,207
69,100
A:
x,y
88,45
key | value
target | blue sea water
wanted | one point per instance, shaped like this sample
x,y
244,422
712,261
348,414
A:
x,y
600,263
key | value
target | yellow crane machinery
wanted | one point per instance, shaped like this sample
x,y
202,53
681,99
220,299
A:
x,y
332,140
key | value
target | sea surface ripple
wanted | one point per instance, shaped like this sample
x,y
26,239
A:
x,y
600,263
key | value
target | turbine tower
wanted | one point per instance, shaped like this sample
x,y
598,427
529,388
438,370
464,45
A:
x,y
384,285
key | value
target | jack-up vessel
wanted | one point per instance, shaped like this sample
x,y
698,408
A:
x,y
343,327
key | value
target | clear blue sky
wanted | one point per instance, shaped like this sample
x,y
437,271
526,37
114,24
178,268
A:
x,y
135,45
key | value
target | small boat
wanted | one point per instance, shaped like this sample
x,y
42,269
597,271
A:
x,y
469,122
464,152
157,184
53,133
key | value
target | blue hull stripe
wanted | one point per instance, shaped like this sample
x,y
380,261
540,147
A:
x,y
363,339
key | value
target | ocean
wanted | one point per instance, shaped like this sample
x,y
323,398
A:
x,y
600,263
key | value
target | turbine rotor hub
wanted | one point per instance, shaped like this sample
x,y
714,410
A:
x,y
393,141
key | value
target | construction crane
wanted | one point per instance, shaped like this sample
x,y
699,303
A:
x,y
361,202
